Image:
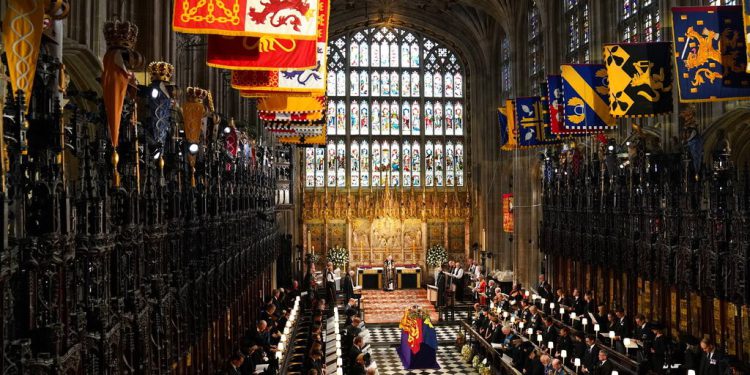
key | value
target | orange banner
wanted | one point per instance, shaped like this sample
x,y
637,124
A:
x,y
508,213
267,52
22,36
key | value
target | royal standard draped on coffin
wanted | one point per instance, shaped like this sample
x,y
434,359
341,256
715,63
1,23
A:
x,y
268,53
710,54
640,78
586,97
292,19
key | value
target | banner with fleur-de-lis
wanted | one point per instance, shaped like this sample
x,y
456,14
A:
x,y
291,19
640,78
710,54
268,53
507,122
586,97
532,121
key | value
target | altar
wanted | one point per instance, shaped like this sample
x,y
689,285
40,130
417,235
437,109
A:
x,y
407,277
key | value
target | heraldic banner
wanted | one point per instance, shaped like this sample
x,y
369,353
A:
x,y
292,19
508,213
586,97
640,78
533,122
710,54
268,53
502,122
510,125
746,19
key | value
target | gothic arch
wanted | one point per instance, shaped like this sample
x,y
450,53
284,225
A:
x,y
84,69
735,124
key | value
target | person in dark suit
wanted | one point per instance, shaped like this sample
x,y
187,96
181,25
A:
x,y
622,329
536,322
561,299
579,305
441,285
604,366
588,300
659,348
601,318
359,366
347,285
355,351
712,362
543,288
533,366
235,362
564,342
315,361
550,332
590,354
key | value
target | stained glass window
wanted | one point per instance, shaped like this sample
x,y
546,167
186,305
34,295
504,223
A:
x,y
535,49
395,114
722,2
505,67
640,21
578,31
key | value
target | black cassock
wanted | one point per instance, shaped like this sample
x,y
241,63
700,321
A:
x,y
441,289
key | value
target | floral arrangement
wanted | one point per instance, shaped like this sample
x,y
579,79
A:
x,y
484,369
466,353
419,313
436,255
476,361
338,255
312,258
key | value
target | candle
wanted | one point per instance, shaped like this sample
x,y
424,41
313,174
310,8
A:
x,y
614,372
584,321
573,315
577,362
551,305
612,334
691,372
530,331
309,239
562,311
596,328
520,325
527,294
550,344
539,339
544,301
564,353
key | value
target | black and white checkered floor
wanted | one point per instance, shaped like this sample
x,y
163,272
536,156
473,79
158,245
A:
x,y
384,341
448,357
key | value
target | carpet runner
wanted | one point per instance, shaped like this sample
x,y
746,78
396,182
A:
x,y
388,307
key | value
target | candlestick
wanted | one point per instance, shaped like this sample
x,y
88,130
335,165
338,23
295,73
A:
x,y
309,239
484,239
596,328
539,339
530,331
564,354
551,345
577,363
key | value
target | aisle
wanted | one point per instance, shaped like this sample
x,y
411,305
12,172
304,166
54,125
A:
x,y
388,307
385,340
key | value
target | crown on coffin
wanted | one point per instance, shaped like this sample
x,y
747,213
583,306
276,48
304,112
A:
x,y
196,94
161,71
121,34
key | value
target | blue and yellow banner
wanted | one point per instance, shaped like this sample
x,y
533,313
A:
x,y
640,78
710,54
586,97
533,122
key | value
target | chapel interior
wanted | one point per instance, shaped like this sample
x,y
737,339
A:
x,y
519,187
